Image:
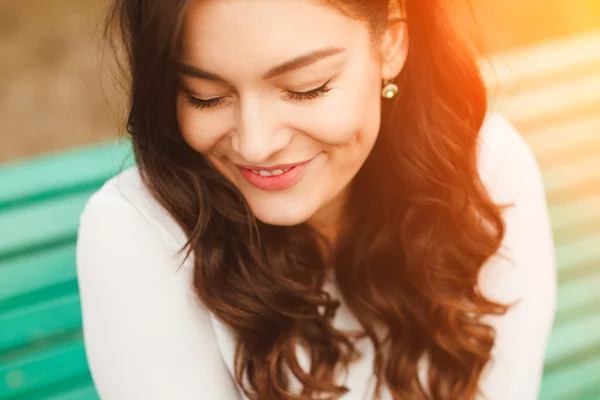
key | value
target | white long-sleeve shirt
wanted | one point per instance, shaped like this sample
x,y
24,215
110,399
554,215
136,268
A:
x,y
148,337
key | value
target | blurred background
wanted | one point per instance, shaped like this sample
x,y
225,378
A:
x,y
60,112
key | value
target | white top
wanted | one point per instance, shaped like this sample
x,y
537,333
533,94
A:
x,y
148,337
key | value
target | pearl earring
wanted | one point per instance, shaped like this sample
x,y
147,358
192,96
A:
x,y
389,89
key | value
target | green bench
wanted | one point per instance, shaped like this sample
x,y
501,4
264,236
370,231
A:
x,y
41,349
551,92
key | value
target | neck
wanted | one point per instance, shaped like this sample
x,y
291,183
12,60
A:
x,y
326,221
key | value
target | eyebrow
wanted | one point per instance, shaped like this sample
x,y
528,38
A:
x,y
288,66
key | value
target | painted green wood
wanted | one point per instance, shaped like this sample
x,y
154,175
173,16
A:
x,y
41,320
578,336
53,174
583,211
77,388
33,272
45,222
543,63
40,204
573,381
577,296
562,100
581,172
577,133
578,253
86,393
34,368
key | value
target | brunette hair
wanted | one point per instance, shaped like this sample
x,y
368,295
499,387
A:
x,y
416,231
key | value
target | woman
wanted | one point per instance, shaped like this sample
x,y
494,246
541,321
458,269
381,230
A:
x,y
322,208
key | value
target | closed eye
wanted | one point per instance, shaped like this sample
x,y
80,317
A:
x,y
217,101
200,103
311,94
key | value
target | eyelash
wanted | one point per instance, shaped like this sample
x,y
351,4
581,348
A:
x,y
199,103
311,94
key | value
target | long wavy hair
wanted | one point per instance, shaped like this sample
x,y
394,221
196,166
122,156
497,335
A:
x,y
418,226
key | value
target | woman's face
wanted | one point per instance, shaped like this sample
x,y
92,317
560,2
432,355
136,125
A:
x,y
283,98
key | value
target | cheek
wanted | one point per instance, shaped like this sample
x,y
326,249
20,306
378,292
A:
x,y
350,115
201,129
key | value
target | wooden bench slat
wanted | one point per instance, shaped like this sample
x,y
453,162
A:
x,y
557,99
543,63
575,337
30,324
41,223
582,251
577,294
575,213
35,369
585,171
84,393
53,173
79,388
571,381
572,133
33,272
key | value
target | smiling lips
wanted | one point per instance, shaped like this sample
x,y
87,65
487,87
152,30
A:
x,y
279,177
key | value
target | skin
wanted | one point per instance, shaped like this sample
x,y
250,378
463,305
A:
x,y
236,55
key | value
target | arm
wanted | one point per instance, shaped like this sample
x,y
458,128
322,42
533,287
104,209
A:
x,y
528,276
146,335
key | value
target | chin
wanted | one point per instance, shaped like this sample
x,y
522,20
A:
x,y
280,215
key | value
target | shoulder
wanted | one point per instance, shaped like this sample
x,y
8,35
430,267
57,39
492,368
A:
x,y
123,223
507,165
141,316
498,141
510,173
523,273
127,193
496,133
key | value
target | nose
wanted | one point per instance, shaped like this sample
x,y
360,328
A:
x,y
258,134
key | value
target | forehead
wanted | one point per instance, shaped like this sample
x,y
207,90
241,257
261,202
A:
x,y
225,35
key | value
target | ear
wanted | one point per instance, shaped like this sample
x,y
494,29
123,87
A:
x,y
394,48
